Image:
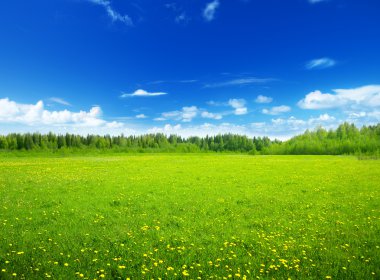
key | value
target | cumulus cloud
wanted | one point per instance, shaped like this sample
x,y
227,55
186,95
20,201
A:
x,y
320,63
285,128
280,128
208,115
142,93
186,114
210,10
239,106
36,114
324,118
200,130
167,129
362,97
263,99
277,110
141,116
112,13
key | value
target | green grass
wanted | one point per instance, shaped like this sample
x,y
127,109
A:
x,y
188,216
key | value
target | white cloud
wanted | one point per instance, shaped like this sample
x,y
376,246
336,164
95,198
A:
x,y
200,130
239,106
209,11
370,117
59,101
263,99
208,115
36,115
167,129
112,13
141,116
355,115
286,128
186,114
114,124
281,128
142,93
277,110
362,97
324,118
160,119
241,111
215,103
320,63
240,82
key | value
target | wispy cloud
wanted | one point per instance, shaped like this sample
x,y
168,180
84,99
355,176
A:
x,y
261,99
277,110
361,98
180,15
182,18
320,63
142,93
239,106
112,13
157,82
159,119
316,1
240,82
210,9
188,81
59,101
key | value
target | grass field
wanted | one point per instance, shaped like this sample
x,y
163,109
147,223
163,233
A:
x,y
189,216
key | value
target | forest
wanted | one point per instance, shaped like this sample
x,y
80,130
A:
x,y
347,139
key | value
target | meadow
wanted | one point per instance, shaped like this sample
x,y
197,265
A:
x,y
189,216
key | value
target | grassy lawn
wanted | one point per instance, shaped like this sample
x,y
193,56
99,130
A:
x,y
196,216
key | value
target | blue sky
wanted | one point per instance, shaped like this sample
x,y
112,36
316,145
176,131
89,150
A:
x,y
189,67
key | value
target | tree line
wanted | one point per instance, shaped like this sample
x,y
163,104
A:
x,y
346,139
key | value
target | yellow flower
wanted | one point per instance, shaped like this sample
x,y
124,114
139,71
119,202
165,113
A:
x,y
185,273
66,264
